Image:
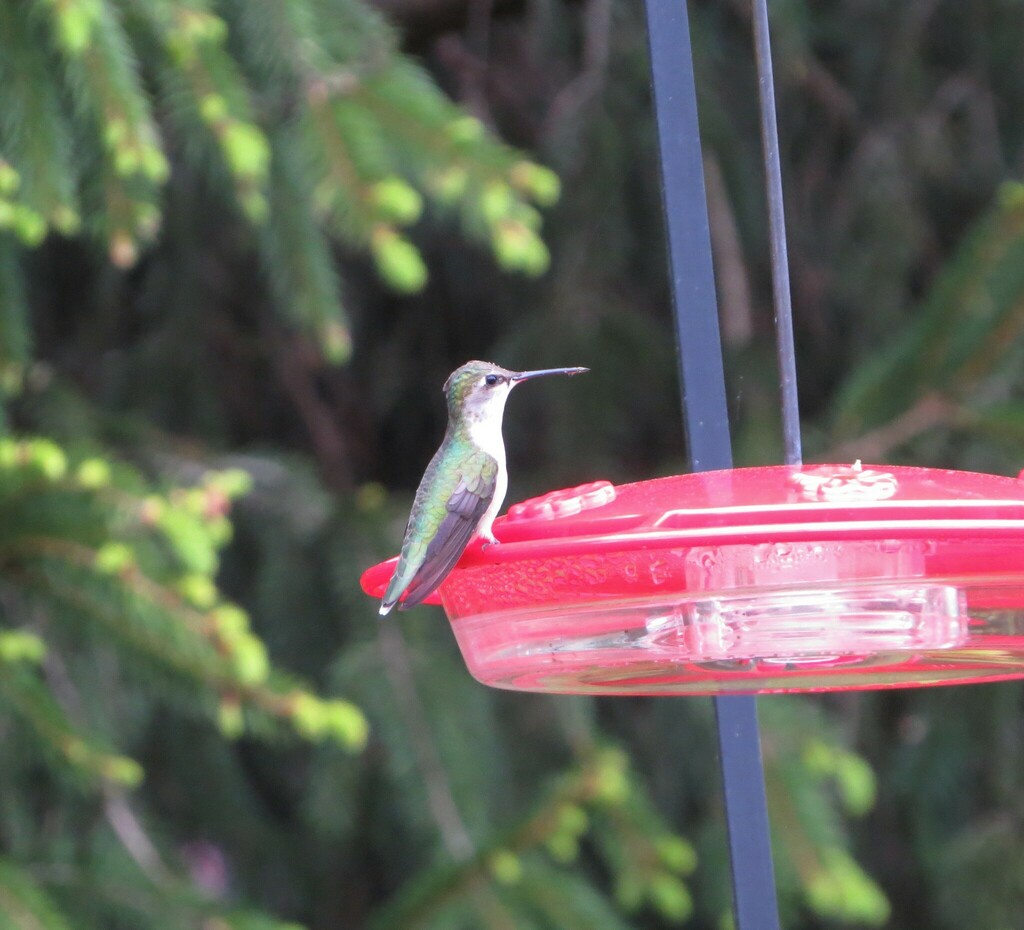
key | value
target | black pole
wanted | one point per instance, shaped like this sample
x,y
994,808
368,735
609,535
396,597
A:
x,y
777,229
706,420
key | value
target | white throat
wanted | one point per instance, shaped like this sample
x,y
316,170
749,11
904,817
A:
x,y
482,418
483,415
483,423
484,428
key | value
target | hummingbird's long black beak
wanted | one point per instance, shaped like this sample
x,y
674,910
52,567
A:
x,y
541,372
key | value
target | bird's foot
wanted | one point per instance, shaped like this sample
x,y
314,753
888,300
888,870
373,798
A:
x,y
489,540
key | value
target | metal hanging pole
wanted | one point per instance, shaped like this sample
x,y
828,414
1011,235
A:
x,y
706,415
777,230
706,420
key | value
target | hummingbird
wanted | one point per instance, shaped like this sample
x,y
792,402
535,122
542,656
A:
x,y
464,485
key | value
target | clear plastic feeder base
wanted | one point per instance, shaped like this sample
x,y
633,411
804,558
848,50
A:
x,y
813,639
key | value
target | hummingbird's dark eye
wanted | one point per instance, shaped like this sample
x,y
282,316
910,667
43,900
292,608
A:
x,y
491,380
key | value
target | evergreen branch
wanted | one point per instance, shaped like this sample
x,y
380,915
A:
x,y
315,42
345,163
130,216
800,849
33,129
63,541
269,48
801,760
597,779
33,702
51,580
173,635
162,639
364,202
103,77
395,659
968,322
405,103
353,34
564,900
15,338
207,93
150,900
456,161
342,190
15,214
132,581
297,257
454,835
23,904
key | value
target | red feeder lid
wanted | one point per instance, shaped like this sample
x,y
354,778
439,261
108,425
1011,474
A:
x,y
757,579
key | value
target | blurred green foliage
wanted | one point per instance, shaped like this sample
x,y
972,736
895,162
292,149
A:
x,y
242,244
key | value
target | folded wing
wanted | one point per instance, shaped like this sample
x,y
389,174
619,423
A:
x,y
467,504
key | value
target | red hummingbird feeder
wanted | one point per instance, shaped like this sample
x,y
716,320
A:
x,y
766,579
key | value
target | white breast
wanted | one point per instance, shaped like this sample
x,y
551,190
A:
x,y
485,433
